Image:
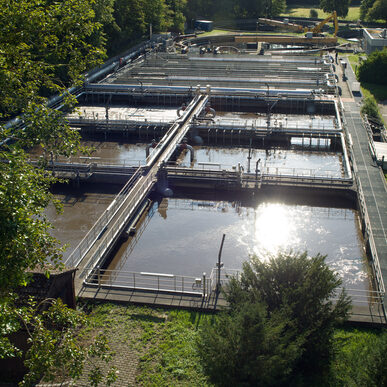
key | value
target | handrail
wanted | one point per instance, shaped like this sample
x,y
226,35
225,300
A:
x,y
130,203
160,282
94,233
369,232
358,296
266,173
138,185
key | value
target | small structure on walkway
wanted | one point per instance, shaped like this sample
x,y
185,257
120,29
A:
x,y
381,154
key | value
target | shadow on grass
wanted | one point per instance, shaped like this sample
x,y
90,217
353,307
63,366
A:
x,y
378,91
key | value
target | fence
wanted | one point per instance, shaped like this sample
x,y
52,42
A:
x,y
160,282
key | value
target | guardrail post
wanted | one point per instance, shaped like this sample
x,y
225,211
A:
x,y
134,280
204,285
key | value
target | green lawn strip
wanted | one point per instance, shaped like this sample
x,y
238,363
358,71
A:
x,y
172,358
302,11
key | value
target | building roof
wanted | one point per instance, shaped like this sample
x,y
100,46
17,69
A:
x,y
377,33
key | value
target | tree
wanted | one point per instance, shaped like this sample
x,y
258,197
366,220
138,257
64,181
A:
x,y
365,5
176,10
246,347
54,352
277,7
340,6
25,240
45,46
279,325
374,68
313,14
370,107
378,11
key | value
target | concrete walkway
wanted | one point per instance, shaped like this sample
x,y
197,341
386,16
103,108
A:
x,y
369,314
372,189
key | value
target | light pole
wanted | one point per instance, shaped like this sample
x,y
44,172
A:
x,y
219,265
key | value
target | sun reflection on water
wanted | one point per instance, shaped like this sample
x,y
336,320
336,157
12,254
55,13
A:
x,y
275,229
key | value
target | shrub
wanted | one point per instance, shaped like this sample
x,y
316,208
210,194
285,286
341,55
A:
x,y
313,14
370,107
279,327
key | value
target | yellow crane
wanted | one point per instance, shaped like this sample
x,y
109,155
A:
x,y
317,29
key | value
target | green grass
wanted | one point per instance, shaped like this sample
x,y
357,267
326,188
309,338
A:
x,y
378,91
173,360
302,11
218,32
162,344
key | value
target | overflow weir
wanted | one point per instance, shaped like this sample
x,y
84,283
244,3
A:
x,y
255,103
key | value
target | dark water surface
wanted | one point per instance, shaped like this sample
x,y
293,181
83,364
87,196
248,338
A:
x,y
182,236
81,209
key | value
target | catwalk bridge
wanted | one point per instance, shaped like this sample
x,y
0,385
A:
x,y
101,238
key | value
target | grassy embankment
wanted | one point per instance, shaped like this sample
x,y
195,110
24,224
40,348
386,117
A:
x,y
159,345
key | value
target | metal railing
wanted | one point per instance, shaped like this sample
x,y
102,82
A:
x,y
360,297
126,209
225,275
268,174
375,263
157,282
128,122
84,161
261,125
130,196
367,126
95,232
368,231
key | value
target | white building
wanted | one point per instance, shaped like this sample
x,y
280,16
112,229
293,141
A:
x,y
374,39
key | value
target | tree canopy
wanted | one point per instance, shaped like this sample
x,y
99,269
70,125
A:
x,y
340,6
374,68
373,10
229,9
280,323
45,47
